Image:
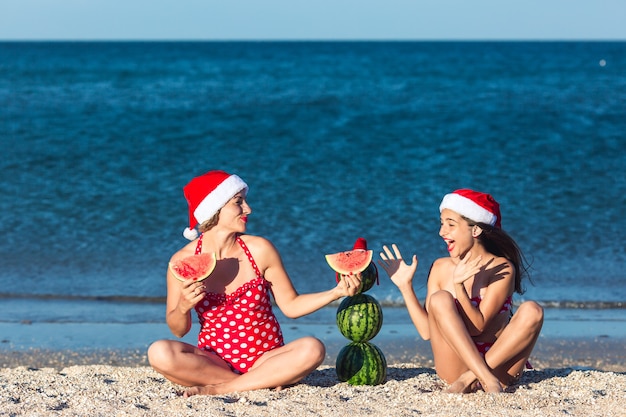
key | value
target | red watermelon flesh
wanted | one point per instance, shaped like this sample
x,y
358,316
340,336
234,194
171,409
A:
x,y
350,262
195,267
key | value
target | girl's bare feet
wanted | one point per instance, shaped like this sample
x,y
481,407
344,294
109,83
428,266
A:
x,y
493,387
468,382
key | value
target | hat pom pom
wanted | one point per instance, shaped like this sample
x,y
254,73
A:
x,y
360,244
190,234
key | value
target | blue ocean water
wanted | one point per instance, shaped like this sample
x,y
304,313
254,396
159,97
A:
x,y
336,140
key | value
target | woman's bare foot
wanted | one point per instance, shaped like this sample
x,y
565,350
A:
x,y
203,390
216,389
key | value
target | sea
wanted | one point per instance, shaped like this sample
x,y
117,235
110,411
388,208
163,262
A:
x,y
336,140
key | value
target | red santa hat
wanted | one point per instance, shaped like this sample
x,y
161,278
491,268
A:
x,y
207,194
476,206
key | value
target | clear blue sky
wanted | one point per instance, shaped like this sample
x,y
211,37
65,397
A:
x,y
312,19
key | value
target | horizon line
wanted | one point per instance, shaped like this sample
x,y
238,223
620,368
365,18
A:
x,y
312,40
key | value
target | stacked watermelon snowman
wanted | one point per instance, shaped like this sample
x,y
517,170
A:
x,y
359,319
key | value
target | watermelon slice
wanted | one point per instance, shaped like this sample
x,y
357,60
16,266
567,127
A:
x,y
195,267
352,261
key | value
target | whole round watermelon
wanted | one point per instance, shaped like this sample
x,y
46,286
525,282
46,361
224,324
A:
x,y
368,277
359,318
361,364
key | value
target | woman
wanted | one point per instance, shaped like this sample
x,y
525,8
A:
x,y
240,344
475,339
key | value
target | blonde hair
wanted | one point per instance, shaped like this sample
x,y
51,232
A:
x,y
209,224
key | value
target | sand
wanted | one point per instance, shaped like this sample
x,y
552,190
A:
x,y
572,377
410,390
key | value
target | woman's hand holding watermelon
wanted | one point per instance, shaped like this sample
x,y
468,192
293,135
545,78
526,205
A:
x,y
349,284
191,294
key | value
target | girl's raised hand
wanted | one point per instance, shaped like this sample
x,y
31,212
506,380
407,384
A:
x,y
398,270
466,269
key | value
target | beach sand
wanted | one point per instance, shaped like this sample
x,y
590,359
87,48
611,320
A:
x,y
101,369
410,390
572,377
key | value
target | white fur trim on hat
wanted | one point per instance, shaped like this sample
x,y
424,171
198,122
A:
x,y
466,207
219,197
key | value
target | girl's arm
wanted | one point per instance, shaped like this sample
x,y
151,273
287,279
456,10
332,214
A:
x,y
501,285
292,304
418,314
402,275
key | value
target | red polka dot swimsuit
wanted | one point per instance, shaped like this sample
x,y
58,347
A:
x,y
239,327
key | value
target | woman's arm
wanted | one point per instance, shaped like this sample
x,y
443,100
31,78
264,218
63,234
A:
x,y
292,304
181,299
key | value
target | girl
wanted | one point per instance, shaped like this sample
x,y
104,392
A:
x,y
475,339
240,344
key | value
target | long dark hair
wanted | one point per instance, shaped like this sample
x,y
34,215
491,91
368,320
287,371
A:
x,y
499,243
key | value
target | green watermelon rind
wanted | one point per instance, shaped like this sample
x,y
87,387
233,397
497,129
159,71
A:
x,y
187,268
368,277
361,363
359,318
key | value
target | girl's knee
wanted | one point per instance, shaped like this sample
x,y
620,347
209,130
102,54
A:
x,y
440,300
531,313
